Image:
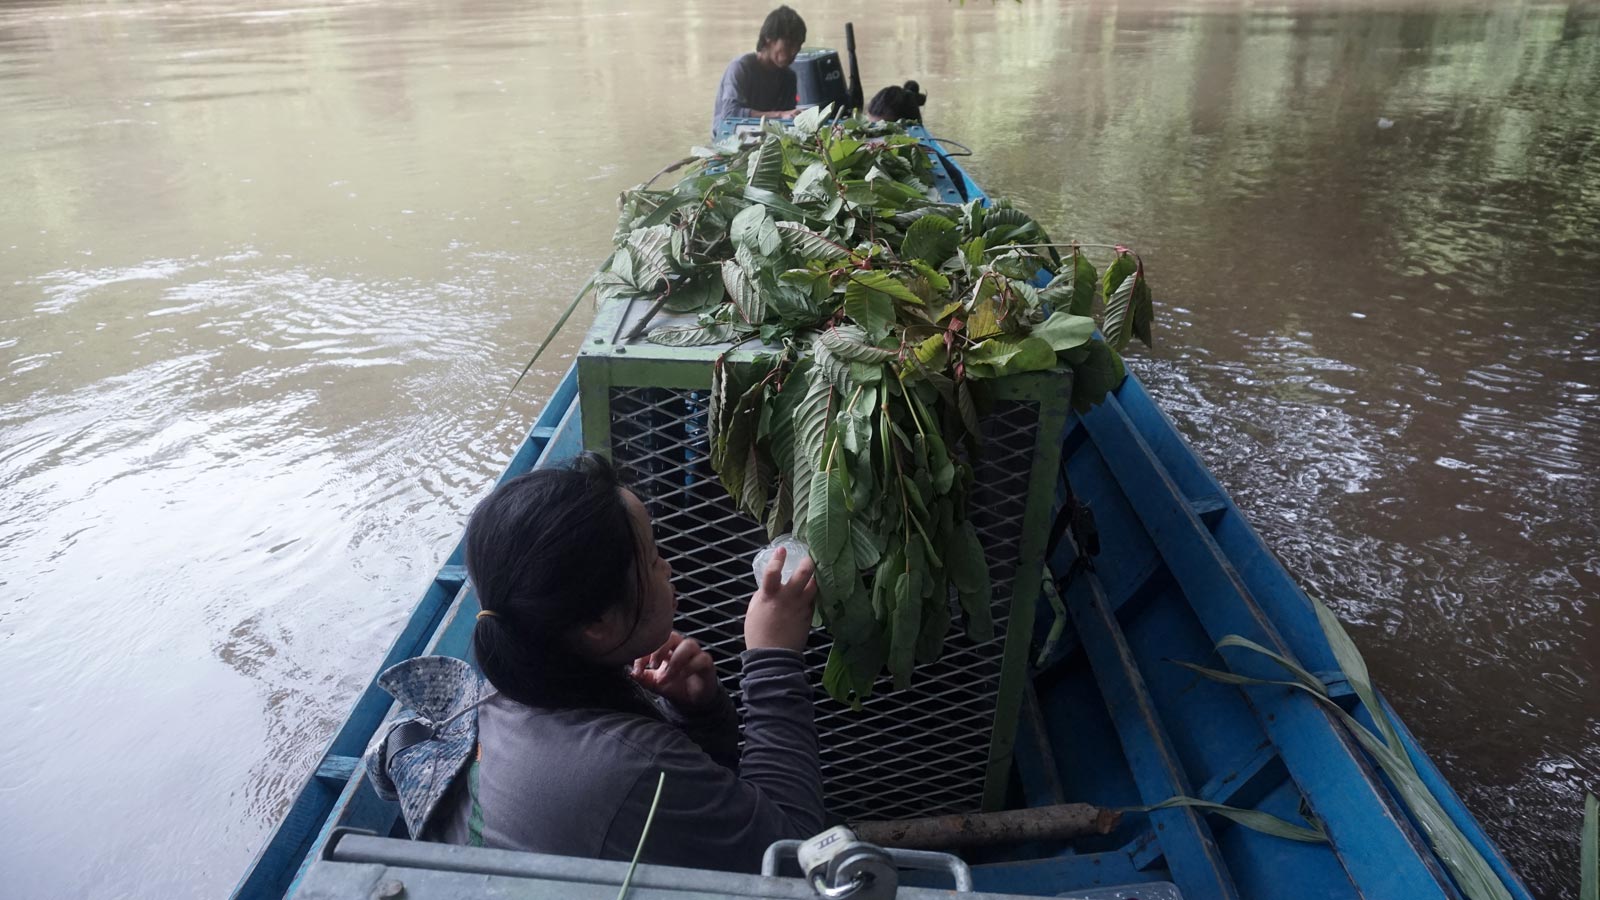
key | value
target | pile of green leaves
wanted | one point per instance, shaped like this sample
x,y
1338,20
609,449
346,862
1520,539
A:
x,y
881,310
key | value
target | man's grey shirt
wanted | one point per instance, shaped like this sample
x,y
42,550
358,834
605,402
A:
x,y
750,88
579,782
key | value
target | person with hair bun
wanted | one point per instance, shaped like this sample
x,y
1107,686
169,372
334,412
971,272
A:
x,y
597,695
897,102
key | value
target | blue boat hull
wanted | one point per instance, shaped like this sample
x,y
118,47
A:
x,y
1110,719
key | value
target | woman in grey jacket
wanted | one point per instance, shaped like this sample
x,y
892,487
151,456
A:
x,y
598,696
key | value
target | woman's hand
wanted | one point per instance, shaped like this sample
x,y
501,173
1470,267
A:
x,y
780,612
682,672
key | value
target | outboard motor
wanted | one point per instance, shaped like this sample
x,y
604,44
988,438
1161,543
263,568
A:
x,y
819,79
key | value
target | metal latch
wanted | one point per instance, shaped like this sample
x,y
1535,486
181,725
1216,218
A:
x,y
839,867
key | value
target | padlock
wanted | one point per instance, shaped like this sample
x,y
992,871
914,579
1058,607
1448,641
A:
x,y
840,867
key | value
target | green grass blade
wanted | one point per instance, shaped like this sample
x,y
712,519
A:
x,y
1312,682
1355,671
1225,677
1590,854
649,819
1472,873
582,292
1253,819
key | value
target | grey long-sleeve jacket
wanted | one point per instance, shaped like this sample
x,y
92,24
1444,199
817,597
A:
x,y
750,88
579,782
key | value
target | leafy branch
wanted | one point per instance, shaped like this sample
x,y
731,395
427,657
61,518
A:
x,y
886,309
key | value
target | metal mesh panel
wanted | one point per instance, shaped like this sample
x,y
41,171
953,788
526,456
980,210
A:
x,y
922,751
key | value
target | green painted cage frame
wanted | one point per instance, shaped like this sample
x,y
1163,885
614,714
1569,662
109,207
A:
x,y
619,381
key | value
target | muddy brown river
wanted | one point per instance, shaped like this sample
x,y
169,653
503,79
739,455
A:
x,y
268,266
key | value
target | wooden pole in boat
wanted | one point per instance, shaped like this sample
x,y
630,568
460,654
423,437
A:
x,y
1012,826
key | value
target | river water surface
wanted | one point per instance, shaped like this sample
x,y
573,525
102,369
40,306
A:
x,y
268,266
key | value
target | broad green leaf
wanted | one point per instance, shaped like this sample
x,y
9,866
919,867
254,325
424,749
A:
x,y
807,122
1098,372
1144,310
864,546
905,620
766,165
649,249
882,283
866,373
984,320
1118,324
1123,266
914,496
838,584
896,194
850,343
695,335
782,511
731,453
808,244
791,302
972,213
850,432
935,622
940,466
969,571
852,669
773,201
936,279
810,433
842,148
754,230
869,300
972,253
742,292
667,207
968,408
1007,355
1064,331
835,370
757,483
829,533
814,182
1085,285
931,239
697,293
1000,218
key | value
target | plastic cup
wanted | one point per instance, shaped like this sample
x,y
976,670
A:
x,y
798,552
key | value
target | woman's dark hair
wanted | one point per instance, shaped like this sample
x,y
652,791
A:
x,y
898,101
782,24
549,552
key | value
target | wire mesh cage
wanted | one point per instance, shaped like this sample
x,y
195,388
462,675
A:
x,y
944,744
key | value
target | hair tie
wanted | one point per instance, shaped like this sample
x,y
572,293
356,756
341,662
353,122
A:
x,y
487,612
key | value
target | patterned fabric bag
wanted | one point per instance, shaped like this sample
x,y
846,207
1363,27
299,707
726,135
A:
x,y
418,756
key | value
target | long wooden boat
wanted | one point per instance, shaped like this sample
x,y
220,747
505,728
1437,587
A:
x,y
1102,713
